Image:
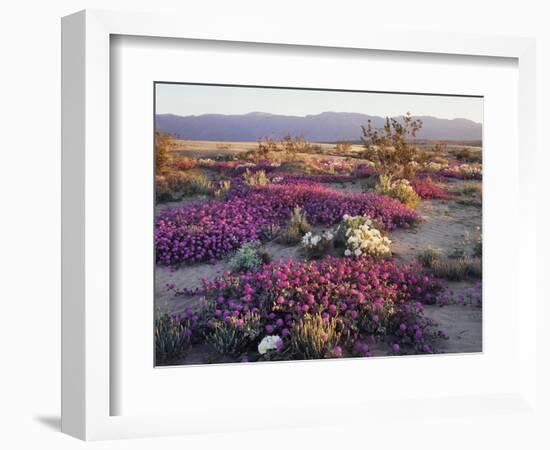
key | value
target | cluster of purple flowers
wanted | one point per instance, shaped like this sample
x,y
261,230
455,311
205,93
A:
x,y
364,170
372,299
328,206
290,178
202,232
427,189
459,175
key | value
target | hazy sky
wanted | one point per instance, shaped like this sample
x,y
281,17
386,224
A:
x,y
187,100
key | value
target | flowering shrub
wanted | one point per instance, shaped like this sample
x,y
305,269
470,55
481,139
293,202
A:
x,y
371,298
427,189
399,189
362,238
316,245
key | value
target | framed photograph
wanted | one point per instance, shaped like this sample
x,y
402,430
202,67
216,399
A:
x,y
248,213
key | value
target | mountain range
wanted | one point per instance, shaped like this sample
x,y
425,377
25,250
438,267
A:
x,y
323,127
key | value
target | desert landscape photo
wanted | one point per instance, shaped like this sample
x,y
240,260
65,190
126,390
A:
x,y
303,224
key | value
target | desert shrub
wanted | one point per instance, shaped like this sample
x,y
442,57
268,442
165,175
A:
x,y
198,185
471,189
172,338
317,245
390,147
222,188
434,166
314,337
467,155
183,163
255,178
223,147
478,245
296,227
362,238
248,257
343,147
457,269
429,256
369,183
163,142
234,335
398,189
270,231
450,268
175,184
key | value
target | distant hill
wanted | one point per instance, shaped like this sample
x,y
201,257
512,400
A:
x,y
323,127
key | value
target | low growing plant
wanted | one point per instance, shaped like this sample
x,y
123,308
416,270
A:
x,y
429,256
296,227
255,178
172,338
222,189
398,189
317,245
314,337
457,269
248,257
361,237
232,335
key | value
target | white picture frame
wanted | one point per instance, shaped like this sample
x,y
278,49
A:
x,y
86,221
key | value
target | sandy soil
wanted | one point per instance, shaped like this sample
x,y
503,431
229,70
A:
x,y
213,149
444,226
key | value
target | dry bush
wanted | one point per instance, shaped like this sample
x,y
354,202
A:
x,y
467,155
343,147
457,269
163,143
296,227
390,148
172,186
258,178
314,338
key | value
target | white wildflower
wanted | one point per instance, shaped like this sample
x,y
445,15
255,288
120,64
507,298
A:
x,y
268,343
